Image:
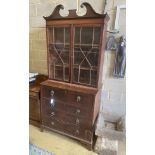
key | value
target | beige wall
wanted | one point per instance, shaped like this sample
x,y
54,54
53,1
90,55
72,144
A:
x,y
114,90
38,9
113,105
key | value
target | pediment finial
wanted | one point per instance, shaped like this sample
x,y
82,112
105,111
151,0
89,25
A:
x,y
90,13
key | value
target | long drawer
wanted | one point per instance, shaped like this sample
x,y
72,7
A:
x,y
77,110
68,97
55,93
79,132
66,118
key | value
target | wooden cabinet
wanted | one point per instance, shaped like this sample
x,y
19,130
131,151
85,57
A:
x,y
68,110
34,108
34,100
74,59
70,98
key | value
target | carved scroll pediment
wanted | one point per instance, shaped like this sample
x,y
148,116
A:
x,y
90,13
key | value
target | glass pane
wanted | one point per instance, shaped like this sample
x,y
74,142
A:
x,y
59,72
86,52
93,77
59,49
86,77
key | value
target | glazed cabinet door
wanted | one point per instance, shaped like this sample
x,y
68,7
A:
x,y
86,52
59,52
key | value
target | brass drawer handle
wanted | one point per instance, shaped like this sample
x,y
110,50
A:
x,y
52,113
52,92
88,134
77,132
52,103
78,111
77,121
78,99
52,123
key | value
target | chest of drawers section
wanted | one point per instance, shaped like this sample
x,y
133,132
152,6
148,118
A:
x,y
68,112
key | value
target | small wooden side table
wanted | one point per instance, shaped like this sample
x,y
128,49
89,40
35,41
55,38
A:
x,y
34,100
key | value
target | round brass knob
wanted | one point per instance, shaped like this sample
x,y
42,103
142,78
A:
x,y
52,103
77,121
78,99
77,132
52,113
52,123
52,92
78,111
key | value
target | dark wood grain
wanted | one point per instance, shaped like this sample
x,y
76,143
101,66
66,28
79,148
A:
x,y
101,60
71,87
90,13
34,100
34,108
72,109
51,23
76,104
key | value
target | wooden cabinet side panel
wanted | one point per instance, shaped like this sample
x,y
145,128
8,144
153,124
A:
x,y
101,61
34,108
96,105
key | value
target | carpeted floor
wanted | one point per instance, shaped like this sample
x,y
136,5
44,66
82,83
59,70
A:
x,y
60,145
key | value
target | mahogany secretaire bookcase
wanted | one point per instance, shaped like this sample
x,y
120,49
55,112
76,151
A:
x,y
70,98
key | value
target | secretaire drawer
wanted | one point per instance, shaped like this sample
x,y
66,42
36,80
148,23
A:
x,y
68,97
55,93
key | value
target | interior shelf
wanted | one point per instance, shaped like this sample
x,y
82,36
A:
x,y
61,65
78,45
76,67
84,68
77,58
88,84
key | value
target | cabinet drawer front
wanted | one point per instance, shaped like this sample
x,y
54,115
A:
x,y
34,108
80,99
77,121
78,111
48,107
66,108
55,93
48,115
79,132
65,118
68,97
54,124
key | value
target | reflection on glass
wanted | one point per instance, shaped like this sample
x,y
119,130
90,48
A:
x,y
52,102
86,52
59,47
